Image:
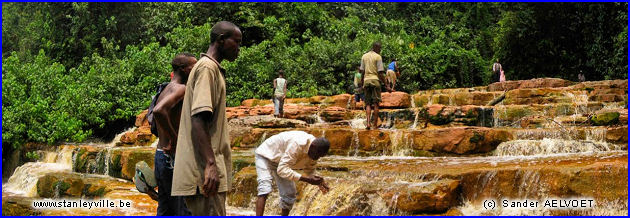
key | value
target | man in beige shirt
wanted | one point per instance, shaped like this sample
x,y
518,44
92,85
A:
x,y
372,77
276,159
203,163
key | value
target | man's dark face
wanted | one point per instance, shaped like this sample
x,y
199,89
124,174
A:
x,y
230,48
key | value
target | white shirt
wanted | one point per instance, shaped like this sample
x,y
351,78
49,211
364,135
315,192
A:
x,y
290,151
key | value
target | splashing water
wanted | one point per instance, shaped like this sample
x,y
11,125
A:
x,y
551,146
24,180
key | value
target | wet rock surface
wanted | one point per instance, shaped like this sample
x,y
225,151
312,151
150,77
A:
x,y
435,152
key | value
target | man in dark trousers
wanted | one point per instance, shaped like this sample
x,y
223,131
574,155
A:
x,y
372,77
203,165
167,112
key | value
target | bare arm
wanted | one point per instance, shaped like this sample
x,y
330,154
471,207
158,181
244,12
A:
x,y
201,143
162,115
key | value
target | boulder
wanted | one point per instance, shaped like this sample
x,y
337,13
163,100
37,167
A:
x,y
617,135
341,100
129,158
341,140
421,197
459,140
374,142
334,113
395,100
141,119
605,119
141,136
60,185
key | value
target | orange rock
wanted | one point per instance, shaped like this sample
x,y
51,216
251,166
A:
x,y
374,141
395,100
334,113
435,109
617,134
341,100
255,102
297,101
430,197
459,140
317,99
299,112
129,138
141,119
340,140
532,83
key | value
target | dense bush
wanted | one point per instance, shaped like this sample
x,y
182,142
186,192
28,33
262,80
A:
x,y
72,70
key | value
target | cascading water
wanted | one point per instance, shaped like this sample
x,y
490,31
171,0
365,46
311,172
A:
x,y
24,180
551,146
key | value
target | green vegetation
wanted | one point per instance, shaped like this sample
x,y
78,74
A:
x,y
76,70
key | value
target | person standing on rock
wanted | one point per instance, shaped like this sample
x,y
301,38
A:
x,y
279,94
167,112
496,71
203,164
358,89
276,159
372,77
392,74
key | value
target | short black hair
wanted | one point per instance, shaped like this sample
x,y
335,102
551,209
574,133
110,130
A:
x,y
376,44
280,72
322,145
181,61
225,28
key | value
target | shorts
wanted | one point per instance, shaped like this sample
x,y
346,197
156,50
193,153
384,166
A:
x,y
266,172
372,89
359,97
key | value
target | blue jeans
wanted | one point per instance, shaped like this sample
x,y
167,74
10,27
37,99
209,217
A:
x,y
167,205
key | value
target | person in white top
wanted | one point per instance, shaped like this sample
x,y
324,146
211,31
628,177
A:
x,y
279,94
278,157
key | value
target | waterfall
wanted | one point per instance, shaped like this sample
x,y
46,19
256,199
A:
x,y
415,119
550,147
118,136
24,180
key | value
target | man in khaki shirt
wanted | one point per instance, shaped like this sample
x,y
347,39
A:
x,y
276,159
203,163
371,74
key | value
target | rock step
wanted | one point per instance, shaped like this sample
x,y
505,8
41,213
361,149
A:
x,y
435,115
355,196
360,186
521,92
615,135
118,162
61,185
453,141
